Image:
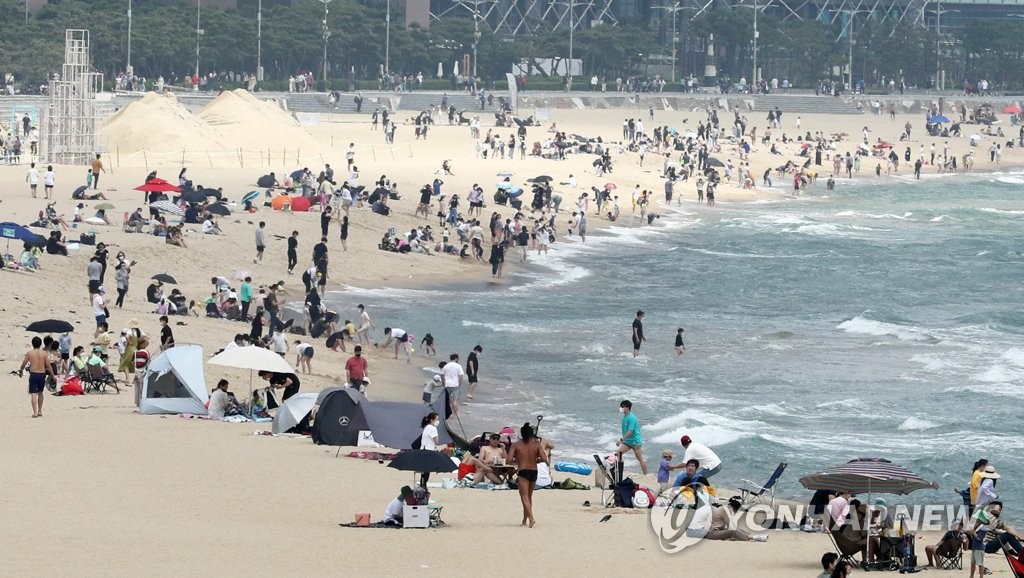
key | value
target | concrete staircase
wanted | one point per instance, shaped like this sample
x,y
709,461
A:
x,y
796,103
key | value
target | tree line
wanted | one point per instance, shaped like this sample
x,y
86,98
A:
x,y
163,42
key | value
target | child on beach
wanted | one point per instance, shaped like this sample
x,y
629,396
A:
x,y
427,343
680,347
663,469
304,354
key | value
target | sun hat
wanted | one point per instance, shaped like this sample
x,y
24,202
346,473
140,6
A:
x,y
134,324
667,454
990,473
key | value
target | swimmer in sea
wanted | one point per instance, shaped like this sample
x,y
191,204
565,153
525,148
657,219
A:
x,y
680,346
526,454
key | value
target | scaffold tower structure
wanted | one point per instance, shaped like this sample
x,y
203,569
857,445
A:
x,y
71,120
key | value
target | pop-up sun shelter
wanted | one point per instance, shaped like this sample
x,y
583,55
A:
x,y
173,382
344,412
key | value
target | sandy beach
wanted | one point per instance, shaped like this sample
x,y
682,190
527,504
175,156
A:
x,y
116,493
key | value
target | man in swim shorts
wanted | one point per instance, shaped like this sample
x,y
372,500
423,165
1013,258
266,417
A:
x,y
526,454
631,438
39,367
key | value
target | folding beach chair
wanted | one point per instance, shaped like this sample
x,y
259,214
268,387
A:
x,y
751,493
610,483
843,556
951,557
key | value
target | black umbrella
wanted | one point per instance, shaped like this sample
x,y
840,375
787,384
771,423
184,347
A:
x,y
219,209
164,278
423,461
50,326
193,196
79,192
540,179
713,162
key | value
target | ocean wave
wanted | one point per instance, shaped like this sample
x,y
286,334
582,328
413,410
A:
x,y
915,424
595,348
930,363
1010,180
1014,356
940,218
1000,211
747,255
863,326
998,374
501,327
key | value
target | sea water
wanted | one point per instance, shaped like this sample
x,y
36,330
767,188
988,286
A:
x,y
881,319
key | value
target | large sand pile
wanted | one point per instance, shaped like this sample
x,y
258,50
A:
x,y
157,123
246,122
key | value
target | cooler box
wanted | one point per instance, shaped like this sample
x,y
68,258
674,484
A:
x,y
415,516
362,519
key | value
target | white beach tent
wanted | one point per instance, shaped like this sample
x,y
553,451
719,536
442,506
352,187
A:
x,y
173,382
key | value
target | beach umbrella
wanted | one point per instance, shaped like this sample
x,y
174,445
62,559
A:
x,y
938,119
158,186
505,174
610,186
541,179
252,358
296,175
505,185
713,162
104,206
241,274
219,209
167,207
79,192
515,192
164,278
1012,109
50,326
14,231
423,461
193,196
871,475
251,196
291,412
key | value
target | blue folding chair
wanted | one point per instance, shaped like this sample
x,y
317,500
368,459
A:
x,y
751,493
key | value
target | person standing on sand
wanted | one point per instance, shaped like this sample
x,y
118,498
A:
x,y
39,367
293,251
631,438
526,454
344,234
97,168
32,178
638,333
261,242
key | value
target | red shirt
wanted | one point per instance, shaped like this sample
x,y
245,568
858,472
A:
x,y
356,367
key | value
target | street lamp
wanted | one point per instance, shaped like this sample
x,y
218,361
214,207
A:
x,y
259,40
387,40
849,35
674,9
128,66
199,35
327,34
756,8
939,84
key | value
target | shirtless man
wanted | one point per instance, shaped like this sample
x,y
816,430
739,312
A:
x,y
490,455
526,453
39,367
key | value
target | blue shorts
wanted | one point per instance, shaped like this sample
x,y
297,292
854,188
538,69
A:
x,y
100,320
36,382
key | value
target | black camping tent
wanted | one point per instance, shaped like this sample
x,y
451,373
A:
x,y
345,412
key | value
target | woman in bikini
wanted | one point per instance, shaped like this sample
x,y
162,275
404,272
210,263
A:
x,y
526,453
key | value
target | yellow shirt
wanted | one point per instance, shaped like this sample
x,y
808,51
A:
x,y
97,166
975,482
351,329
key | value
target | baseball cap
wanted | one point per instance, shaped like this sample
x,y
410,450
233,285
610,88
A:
x,y
102,289
685,440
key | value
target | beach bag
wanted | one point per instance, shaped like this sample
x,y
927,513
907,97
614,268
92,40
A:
x,y
624,491
87,239
643,498
72,386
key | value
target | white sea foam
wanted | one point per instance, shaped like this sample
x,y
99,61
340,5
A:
x,y
862,326
940,218
1014,356
501,327
915,423
709,428
595,348
1010,180
930,362
997,374
1000,211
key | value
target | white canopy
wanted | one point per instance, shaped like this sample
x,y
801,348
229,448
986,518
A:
x,y
173,382
252,358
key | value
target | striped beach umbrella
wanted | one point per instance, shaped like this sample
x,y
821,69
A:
x,y
870,475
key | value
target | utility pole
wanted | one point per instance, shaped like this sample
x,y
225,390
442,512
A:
x,y
754,81
674,9
851,14
572,26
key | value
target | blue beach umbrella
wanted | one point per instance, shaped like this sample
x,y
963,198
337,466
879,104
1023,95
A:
x,y
250,196
297,174
14,231
939,119
515,192
505,174
505,185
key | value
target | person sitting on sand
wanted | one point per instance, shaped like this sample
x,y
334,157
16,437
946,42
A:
x,y
101,215
210,227
396,508
691,477
828,564
722,525
55,245
175,237
492,454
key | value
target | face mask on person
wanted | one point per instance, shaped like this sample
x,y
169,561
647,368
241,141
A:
x,y
622,410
